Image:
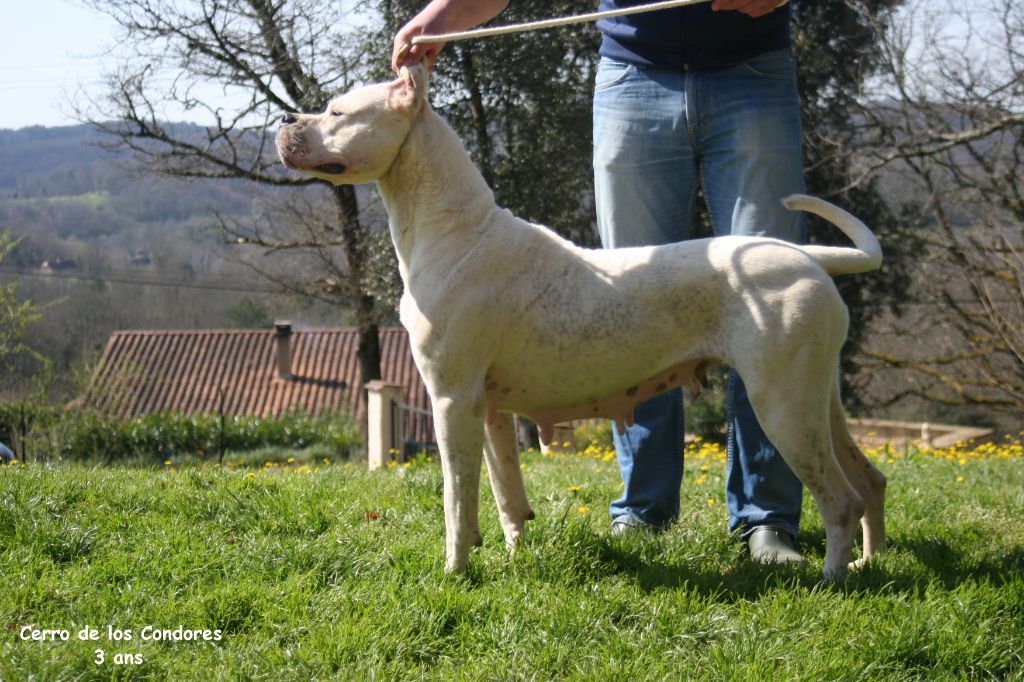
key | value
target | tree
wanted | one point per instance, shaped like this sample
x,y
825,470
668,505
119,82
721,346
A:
x,y
270,57
248,314
15,317
944,123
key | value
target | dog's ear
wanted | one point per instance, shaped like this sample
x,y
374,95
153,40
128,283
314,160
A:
x,y
410,90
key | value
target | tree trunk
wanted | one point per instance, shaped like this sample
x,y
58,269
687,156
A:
x,y
369,342
356,245
479,111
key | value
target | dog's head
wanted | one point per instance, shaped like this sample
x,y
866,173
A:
x,y
358,135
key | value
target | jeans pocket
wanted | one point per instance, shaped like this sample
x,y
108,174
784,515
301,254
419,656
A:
x,y
611,73
775,65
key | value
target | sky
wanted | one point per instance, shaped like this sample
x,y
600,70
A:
x,y
49,48
52,50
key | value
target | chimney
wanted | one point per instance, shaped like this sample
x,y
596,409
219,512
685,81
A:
x,y
283,349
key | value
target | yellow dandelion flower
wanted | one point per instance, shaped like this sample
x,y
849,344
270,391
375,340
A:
x,y
712,502
573,489
960,479
583,510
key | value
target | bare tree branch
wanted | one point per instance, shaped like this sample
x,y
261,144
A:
x,y
270,57
945,125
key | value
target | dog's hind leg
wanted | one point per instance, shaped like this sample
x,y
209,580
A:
x,y
506,477
797,423
460,438
866,479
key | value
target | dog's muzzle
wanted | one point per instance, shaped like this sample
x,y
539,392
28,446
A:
x,y
291,146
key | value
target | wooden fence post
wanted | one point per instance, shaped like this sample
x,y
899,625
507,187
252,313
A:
x,y
379,427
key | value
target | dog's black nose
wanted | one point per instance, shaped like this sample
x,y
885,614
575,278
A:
x,y
289,119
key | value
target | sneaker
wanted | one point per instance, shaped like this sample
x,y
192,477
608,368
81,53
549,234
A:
x,y
627,524
773,546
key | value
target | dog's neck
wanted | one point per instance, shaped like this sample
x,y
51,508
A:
x,y
432,188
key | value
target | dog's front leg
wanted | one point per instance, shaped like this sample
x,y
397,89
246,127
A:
x,y
460,437
507,478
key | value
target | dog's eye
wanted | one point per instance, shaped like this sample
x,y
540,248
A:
x,y
336,113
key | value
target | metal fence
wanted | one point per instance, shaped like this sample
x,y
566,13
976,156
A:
x,y
408,426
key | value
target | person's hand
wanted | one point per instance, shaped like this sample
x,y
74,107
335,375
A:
x,y
752,8
404,53
439,16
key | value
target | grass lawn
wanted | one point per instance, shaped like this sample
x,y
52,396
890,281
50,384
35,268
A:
x,y
328,571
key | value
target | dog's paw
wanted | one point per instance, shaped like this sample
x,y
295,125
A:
x,y
836,574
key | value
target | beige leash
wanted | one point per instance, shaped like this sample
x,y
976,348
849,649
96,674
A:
x,y
552,23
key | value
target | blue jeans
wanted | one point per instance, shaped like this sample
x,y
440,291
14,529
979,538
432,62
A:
x,y
657,132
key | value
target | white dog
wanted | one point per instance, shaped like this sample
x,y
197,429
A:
x,y
507,317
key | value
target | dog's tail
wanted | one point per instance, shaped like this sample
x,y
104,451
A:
x,y
838,260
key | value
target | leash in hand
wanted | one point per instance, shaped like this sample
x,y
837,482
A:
x,y
552,23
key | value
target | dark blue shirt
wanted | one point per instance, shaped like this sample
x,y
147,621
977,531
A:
x,y
690,38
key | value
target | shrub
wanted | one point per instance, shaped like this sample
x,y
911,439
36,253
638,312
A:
x,y
49,433
594,433
705,415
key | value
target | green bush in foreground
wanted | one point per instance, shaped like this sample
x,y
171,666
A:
x,y
335,573
75,435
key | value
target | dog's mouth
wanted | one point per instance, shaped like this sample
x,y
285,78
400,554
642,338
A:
x,y
293,150
330,168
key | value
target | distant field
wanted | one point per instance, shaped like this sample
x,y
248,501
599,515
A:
x,y
319,570
89,199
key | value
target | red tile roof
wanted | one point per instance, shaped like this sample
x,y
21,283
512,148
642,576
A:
x,y
193,371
